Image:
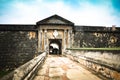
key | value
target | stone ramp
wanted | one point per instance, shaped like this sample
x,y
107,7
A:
x,y
62,68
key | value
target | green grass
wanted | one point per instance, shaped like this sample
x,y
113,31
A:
x,y
107,49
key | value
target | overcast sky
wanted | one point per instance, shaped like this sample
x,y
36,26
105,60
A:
x,y
81,12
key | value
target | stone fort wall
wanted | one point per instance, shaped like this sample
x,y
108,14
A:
x,y
104,62
16,48
19,44
96,39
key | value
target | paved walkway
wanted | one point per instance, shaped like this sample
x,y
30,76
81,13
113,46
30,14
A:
x,y
62,68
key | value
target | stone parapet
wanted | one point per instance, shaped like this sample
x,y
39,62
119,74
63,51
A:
x,y
27,70
106,64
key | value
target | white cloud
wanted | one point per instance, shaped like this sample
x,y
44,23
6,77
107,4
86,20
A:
x,y
85,14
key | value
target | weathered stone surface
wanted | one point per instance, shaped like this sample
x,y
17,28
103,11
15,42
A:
x,y
54,72
56,78
67,70
42,72
92,39
39,78
106,64
74,74
106,58
16,48
115,75
26,71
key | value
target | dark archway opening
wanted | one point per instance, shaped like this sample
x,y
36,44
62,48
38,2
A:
x,y
55,46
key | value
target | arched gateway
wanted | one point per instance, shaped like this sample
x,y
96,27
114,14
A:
x,y
54,34
55,46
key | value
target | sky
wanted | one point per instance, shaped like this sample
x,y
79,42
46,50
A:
x,y
81,12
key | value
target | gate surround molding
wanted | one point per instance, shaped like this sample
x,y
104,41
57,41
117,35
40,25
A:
x,y
54,27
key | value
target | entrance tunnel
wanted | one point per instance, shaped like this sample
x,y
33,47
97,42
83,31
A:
x,y
55,46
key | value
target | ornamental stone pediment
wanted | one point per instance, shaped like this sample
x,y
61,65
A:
x,y
55,19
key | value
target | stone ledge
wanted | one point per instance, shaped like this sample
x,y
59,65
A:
x,y
25,71
101,68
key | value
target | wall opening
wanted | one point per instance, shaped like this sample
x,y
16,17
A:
x,y
55,46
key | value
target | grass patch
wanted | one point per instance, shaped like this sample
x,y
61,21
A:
x,y
101,49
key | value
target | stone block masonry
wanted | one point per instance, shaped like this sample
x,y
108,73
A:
x,y
96,39
16,48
